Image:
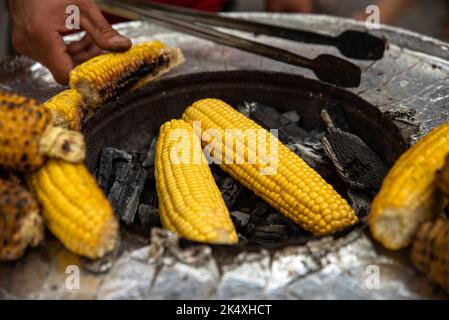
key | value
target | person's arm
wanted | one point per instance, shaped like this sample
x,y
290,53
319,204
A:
x,y
38,26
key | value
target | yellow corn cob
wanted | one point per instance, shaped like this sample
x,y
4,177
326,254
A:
x,y
430,251
20,223
295,189
28,137
66,109
104,77
190,202
74,208
408,194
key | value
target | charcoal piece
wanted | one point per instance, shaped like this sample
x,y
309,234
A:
x,y
333,115
292,116
230,190
402,114
240,219
273,232
149,215
150,156
260,209
267,117
126,190
355,162
245,109
360,202
109,157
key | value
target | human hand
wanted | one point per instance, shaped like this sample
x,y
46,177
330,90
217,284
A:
x,y
305,6
38,27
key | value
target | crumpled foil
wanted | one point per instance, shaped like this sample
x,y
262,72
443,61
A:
x,y
410,84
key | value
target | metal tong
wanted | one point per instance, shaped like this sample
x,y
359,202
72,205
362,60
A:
x,y
327,68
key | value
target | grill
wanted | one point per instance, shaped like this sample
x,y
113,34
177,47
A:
x,y
401,98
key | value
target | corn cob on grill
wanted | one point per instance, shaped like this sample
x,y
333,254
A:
x,y
28,137
104,77
295,189
20,223
430,251
66,109
74,208
189,200
408,194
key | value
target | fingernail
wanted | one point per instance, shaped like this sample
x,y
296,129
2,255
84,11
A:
x,y
119,40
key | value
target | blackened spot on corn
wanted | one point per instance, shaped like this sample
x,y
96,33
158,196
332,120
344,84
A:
x,y
66,147
5,241
6,142
27,167
21,204
39,114
27,143
24,158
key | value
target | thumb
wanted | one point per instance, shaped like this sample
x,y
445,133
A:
x,y
101,32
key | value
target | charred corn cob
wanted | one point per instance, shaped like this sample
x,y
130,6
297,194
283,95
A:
x,y
104,77
20,223
66,109
293,188
408,194
27,136
189,200
74,208
430,251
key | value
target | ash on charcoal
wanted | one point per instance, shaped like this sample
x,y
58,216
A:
x,y
305,144
149,216
355,162
122,178
292,116
333,116
230,190
402,114
240,219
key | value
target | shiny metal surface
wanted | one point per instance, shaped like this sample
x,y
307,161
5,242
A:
x,y
413,75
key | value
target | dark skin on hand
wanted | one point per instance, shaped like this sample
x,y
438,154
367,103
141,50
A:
x,y
38,27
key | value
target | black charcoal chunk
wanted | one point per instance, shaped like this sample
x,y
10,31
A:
x,y
230,190
260,209
126,190
360,202
108,159
333,115
355,162
150,156
149,215
292,116
240,219
273,232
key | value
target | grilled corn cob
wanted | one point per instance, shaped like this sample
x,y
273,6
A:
x,y
189,200
295,189
20,223
104,77
430,251
408,194
66,109
27,136
74,208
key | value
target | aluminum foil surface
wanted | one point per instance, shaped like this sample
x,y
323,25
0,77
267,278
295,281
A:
x,y
413,76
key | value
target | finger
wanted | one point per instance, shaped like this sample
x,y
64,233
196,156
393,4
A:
x,y
101,31
81,45
53,54
85,55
